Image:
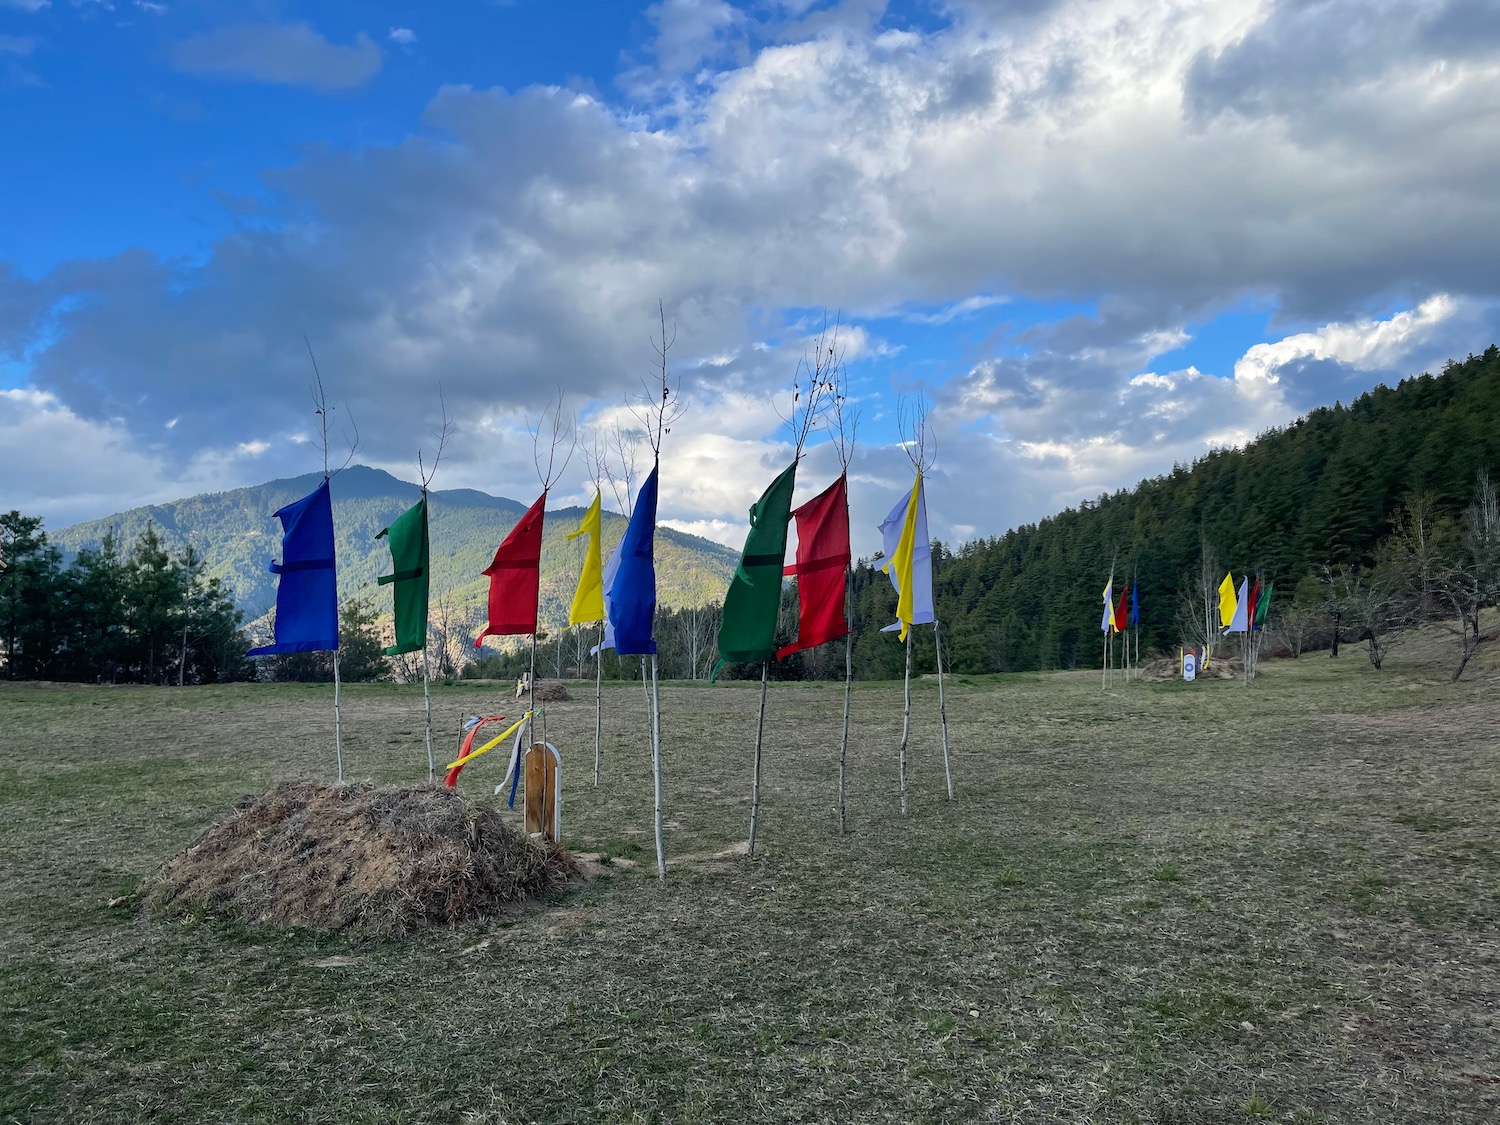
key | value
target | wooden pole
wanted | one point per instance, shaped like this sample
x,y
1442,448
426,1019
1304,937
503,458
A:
x,y
661,854
338,720
848,682
598,700
427,704
760,726
531,698
942,705
1104,667
906,721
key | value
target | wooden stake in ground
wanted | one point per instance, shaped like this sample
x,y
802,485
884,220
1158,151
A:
x,y
338,719
905,721
943,706
760,727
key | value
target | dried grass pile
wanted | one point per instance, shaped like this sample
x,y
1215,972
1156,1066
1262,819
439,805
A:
x,y
358,858
1220,668
552,692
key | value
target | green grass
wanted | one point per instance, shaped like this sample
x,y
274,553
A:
x,y
1163,903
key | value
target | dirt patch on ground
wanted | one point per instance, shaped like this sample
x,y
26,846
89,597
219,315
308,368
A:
x,y
1220,668
358,858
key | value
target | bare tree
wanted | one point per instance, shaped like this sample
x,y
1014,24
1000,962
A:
x,y
1370,605
1471,583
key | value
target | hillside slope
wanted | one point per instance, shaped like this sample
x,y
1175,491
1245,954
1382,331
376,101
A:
x,y
237,535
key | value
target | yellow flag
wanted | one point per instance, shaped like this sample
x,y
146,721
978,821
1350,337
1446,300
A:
x,y
588,601
901,559
1228,603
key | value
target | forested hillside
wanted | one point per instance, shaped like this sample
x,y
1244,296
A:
x,y
1321,492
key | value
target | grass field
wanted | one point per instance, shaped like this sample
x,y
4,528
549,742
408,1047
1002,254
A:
x,y
1170,902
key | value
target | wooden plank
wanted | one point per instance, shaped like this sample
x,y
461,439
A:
x,y
541,790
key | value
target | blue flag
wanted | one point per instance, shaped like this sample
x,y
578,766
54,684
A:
x,y
1135,604
632,595
307,598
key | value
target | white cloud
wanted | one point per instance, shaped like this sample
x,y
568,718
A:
x,y
26,5
292,54
1364,344
404,36
1120,157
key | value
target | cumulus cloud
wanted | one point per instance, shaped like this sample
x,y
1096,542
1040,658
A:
x,y
293,54
404,36
1132,159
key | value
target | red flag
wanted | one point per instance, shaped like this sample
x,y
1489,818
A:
x,y
515,576
1122,611
1254,601
822,558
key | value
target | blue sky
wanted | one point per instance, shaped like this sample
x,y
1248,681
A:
x,y
1101,236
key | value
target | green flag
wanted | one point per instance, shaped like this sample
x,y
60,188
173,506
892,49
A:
x,y
747,630
1263,606
407,536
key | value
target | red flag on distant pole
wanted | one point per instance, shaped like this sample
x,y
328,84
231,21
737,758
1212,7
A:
x,y
1254,602
1122,610
822,558
515,576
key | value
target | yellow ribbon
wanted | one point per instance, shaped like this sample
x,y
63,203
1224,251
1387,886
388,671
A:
x,y
492,743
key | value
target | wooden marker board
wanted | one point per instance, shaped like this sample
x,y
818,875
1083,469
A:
x,y
543,804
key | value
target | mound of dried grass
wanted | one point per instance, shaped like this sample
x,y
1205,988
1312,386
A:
x,y
552,692
1220,668
358,858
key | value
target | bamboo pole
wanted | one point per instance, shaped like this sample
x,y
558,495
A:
x,y
906,721
338,719
427,704
848,683
661,854
942,705
760,726
598,700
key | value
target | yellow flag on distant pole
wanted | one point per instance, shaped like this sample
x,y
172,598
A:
x,y
588,601
900,564
1228,603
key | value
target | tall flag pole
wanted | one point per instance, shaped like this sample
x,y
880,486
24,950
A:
x,y
1135,619
908,553
515,587
747,626
307,599
1106,623
411,566
588,606
631,602
822,573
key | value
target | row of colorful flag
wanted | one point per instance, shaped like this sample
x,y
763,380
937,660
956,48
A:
x,y
620,594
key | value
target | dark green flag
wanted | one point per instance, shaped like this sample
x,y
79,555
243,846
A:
x,y
409,558
747,630
1263,606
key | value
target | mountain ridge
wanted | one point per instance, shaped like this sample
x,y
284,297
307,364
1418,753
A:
x,y
238,536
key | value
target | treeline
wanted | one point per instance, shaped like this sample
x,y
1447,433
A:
x,y
115,614
1319,499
